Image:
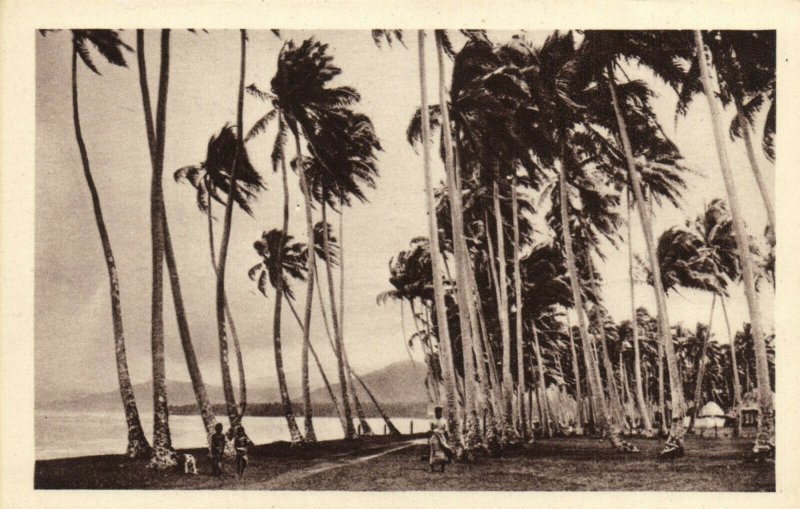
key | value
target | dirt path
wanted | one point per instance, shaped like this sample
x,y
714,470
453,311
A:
x,y
287,480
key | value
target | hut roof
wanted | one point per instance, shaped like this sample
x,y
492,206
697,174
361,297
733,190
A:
x,y
711,409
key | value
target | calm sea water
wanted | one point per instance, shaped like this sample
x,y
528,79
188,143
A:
x,y
69,434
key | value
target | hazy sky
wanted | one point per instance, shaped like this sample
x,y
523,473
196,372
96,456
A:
x,y
73,335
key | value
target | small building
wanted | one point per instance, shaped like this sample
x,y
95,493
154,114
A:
x,y
749,408
710,416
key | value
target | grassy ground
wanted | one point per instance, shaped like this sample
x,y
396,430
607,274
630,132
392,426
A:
x,y
556,464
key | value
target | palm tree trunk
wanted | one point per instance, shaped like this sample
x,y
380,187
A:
x,y
613,390
230,400
577,373
472,435
319,368
510,416
543,402
348,391
163,455
676,387
495,284
359,410
737,389
341,265
365,430
390,426
138,446
288,410
229,316
491,438
637,361
765,440
199,387
602,419
445,349
518,302
701,368
662,405
751,155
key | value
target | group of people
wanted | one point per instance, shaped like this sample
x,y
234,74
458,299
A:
x,y
218,442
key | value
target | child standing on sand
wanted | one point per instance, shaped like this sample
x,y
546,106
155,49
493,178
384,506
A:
x,y
217,450
241,443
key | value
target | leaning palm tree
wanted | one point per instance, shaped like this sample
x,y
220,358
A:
x,y
110,46
603,49
550,70
301,92
211,181
765,440
744,62
239,153
345,161
164,455
280,257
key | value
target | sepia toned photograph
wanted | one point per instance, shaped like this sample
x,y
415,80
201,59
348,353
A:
x,y
405,260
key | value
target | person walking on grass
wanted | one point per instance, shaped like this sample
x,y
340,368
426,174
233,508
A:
x,y
241,443
217,450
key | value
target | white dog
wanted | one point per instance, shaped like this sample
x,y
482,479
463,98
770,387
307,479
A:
x,y
189,465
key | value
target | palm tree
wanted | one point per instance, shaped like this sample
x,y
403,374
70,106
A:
x,y
280,256
164,455
211,181
604,48
745,71
302,95
571,135
346,144
716,230
239,153
463,285
765,440
110,46
446,349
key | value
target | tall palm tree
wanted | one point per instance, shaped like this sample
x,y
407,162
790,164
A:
x,y
446,349
765,440
604,48
637,357
300,88
111,47
211,181
346,146
164,455
464,297
553,73
744,61
238,153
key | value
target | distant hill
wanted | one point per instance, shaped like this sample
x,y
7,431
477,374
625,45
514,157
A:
x,y
396,384
401,382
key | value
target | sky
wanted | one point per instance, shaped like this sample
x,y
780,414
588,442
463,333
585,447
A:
x,y
74,351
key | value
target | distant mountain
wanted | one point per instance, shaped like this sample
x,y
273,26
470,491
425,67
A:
x,y
401,382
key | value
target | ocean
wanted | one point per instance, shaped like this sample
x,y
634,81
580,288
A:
x,y
69,434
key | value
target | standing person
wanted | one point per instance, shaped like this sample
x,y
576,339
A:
x,y
241,444
440,450
217,449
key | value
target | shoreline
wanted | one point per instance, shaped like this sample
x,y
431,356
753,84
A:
x,y
387,463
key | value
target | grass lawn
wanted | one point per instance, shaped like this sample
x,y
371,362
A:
x,y
561,464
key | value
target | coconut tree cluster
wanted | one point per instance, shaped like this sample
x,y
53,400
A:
x,y
549,152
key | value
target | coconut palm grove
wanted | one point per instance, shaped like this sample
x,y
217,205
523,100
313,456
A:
x,y
546,162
